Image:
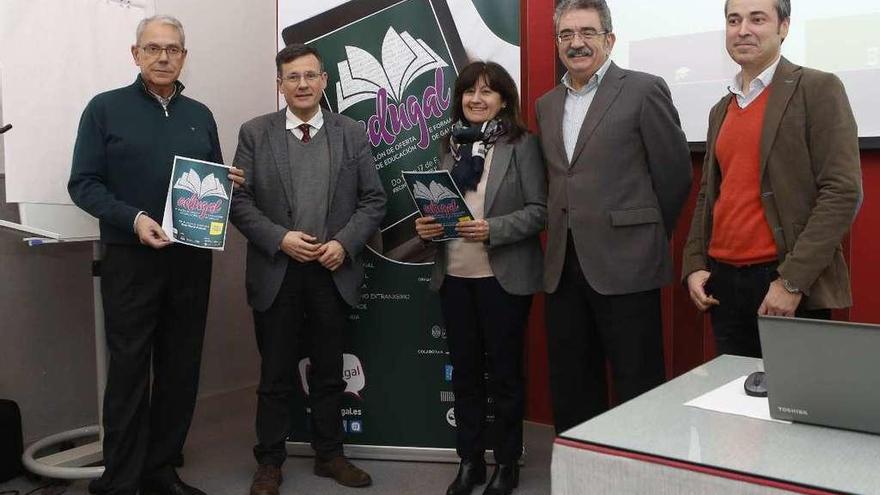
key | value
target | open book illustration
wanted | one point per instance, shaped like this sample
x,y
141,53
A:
x,y
208,187
404,58
434,192
440,199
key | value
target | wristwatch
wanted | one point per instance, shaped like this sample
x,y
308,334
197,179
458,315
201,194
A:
x,y
788,287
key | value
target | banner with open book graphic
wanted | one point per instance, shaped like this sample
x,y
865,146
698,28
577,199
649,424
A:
x,y
391,65
197,204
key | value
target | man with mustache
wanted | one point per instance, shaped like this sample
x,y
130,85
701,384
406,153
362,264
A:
x,y
155,293
311,201
619,172
781,186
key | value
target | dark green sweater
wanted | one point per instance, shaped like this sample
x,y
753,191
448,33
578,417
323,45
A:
x,y
124,152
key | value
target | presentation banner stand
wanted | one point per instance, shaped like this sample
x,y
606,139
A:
x,y
392,65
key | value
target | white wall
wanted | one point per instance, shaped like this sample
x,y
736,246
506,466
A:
x,y
231,68
46,332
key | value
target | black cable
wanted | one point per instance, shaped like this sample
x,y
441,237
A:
x,y
10,492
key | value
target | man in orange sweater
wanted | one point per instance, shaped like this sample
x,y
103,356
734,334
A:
x,y
780,188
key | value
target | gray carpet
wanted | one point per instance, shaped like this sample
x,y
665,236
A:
x,y
218,460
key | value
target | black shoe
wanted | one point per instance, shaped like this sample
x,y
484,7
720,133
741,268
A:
x,y
504,480
470,474
177,487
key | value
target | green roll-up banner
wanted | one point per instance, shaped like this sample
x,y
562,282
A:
x,y
391,66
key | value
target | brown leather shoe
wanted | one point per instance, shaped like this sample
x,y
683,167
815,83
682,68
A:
x,y
344,472
267,479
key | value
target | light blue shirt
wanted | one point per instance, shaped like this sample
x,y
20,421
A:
x,y
577,104
756,87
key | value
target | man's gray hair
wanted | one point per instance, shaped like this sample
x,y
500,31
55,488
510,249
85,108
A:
x,y
783,9
598,5
161,19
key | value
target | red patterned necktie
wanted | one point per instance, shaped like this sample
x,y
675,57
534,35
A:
x,y
305,130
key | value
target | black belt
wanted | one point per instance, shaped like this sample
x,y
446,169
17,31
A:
x,y
766,266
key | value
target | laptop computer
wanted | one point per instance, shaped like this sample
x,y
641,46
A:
x,y
822,372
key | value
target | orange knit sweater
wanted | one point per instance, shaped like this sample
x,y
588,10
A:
x,y
740,232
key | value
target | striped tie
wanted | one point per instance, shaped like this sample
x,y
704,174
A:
x,y
305,130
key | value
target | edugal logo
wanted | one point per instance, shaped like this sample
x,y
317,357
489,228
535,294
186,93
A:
x,y
404,58
450,417
200,189
352,373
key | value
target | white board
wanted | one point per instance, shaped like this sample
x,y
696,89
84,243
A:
x,y
683,42
54,57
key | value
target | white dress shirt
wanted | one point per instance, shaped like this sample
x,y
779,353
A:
x,y
756,87
293,123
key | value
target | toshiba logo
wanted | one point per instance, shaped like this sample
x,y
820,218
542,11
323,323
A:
x,y
792,410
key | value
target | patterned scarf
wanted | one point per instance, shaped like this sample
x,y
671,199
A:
x,y
469,146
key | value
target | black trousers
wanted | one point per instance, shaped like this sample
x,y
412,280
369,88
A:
x,y
741,290
155,305
586,328
308,310
485,327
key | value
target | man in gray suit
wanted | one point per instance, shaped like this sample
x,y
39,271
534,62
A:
x,y
312,200
619,172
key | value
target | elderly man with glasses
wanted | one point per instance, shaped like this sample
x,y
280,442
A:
x,y
619,172
155,293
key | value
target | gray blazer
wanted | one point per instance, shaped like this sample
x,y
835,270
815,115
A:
x,y
516,208
623,191
263,208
